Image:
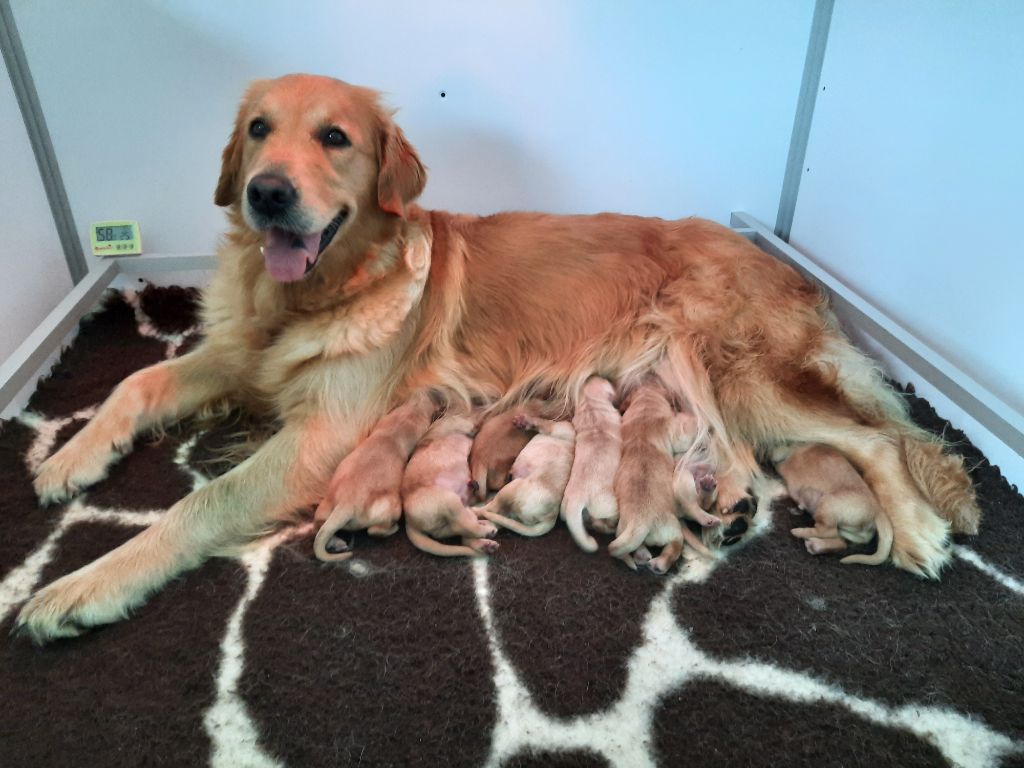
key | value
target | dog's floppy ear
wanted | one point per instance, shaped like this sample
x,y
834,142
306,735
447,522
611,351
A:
x,y
231,160
402,176
230,165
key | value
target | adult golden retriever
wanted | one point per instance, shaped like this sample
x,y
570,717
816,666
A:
x,y
335,296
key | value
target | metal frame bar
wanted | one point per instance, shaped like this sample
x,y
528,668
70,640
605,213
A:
x,y
25,363
973,398
816,43
42,147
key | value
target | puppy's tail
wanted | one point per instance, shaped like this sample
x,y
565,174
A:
x,y
537,529
421,541
572,512
336,520
629,540
885,537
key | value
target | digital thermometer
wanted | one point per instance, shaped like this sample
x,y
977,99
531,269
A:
x,y
115,238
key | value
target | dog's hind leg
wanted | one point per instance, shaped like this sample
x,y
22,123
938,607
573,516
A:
x,y
152,396
288,472
938,473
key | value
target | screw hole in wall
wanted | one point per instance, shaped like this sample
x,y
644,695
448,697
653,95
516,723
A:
x,y
443,94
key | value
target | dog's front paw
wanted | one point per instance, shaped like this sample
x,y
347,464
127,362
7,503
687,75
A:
x,y
67,608
68,471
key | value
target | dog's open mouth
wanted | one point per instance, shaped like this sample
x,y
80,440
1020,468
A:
x,y
290,256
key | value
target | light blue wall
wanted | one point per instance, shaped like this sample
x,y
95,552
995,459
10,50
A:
x,y
913,190
660,108
35,273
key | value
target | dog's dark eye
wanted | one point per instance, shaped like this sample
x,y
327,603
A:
x,y
335,137
258,128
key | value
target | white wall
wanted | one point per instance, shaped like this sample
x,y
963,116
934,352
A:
x,y
912,191
660,108
35,274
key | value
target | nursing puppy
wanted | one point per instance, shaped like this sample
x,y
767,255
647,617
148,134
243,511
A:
x,y
693,482
530,502
590,490
651,433
823,482
436,489
495,449
364,492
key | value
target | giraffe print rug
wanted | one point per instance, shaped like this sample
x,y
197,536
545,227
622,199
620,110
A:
x,y
541,655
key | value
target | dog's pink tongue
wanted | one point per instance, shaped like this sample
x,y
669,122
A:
x,y
286,254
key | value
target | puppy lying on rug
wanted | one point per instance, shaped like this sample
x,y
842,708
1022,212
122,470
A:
x,y
335,297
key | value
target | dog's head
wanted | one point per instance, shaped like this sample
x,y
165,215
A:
x,y
311,157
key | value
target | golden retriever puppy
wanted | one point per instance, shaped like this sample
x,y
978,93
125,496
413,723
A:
x,y
495,448
530,502
364,492
335,296
824,483
436,489
590,492
651,433
693,482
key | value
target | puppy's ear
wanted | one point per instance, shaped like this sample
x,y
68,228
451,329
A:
x,y
402,176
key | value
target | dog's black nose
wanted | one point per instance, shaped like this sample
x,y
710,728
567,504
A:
x,y
271,194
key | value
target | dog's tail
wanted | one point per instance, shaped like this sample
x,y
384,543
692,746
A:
x,y
573,505
421,541
885,538
943,480
335,521
939,475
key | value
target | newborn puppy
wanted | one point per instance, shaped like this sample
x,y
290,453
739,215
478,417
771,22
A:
x,y
364,491
651,433
693,482
495,449
539,476
591,489
436,489
822,481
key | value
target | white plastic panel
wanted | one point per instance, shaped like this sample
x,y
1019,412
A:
x,y
658,108
913,180
36,275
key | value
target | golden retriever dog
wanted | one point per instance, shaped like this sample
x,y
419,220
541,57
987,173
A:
x,y
365,491
335,296
824,483
436,489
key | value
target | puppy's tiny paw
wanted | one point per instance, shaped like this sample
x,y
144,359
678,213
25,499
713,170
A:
x,y
486,546
521,421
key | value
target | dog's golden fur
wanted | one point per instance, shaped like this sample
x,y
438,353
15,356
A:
x,y
496,307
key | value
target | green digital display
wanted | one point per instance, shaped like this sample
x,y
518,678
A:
x,y
115,238
109,234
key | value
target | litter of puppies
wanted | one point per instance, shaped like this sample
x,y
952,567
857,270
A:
x,y
633,465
